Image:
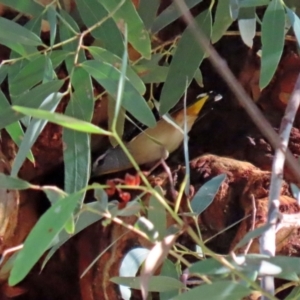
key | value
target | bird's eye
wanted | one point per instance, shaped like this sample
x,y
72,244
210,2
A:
x,y
99,161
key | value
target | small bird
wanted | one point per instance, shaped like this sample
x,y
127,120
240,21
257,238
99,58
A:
x,y
155,143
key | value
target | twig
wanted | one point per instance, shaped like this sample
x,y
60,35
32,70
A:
x,y
254,211
268,238
245,101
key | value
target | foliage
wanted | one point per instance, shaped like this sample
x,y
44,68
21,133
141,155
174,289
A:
x,y
36,89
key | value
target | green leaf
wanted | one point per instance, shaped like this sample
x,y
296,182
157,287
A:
x,y
295,22
77,158
253,3
170,14
206,194
92,12
13,32
147,11
12,183
223,20
51,17
294,294
28,7
33,131
3,72
138,36
252,235
169,269
272,41
130,266
186,60
157,214
41,236
108,76
33,72
156,283
247,25
85,219
225,290
14,130
32,99
61,120
110,58
16,133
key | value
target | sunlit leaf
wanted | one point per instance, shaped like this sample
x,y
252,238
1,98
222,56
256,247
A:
x,y
62,120
247,25
129,267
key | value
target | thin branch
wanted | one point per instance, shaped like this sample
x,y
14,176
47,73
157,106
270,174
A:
x,y
254,211
268,238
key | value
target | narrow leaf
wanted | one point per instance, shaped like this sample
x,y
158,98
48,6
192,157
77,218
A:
x,y
206,194
12,31
41,236
92,12
186,60
32,99
108,76
12,183
62,120
272,41
33,132
138,36
295,21
170,14
225,290
222,20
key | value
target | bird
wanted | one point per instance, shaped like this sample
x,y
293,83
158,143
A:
x,y
153,144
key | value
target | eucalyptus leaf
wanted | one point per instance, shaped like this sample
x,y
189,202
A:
x,y
33,131
108,76
13,32
138,36
185,62
13,183
31,99
45,231
206,194
225,290
272,41
62,120
92,12
223,20
170,14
